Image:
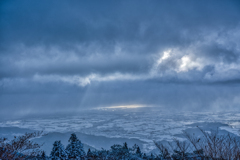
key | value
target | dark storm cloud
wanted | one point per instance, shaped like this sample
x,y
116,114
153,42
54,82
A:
x,y
66,53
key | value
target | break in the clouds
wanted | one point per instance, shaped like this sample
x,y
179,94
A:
x,y
69,55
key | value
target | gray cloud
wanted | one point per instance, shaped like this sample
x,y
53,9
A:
x,y
61,54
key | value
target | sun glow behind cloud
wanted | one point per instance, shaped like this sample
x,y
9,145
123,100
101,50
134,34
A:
x,y
166,54
187,64
124,106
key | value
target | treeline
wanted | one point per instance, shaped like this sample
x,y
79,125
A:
x,y
210,146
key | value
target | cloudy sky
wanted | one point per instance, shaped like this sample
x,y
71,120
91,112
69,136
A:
x,y
72,55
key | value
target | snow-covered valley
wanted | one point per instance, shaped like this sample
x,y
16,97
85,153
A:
x,y
105,127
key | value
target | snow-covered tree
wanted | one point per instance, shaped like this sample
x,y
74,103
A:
x,y
43,156
75,148
144,156
58,151
138,152
89,153
120,152
103,154
152,157
125,149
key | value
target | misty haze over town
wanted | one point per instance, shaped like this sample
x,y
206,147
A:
x,y
133,71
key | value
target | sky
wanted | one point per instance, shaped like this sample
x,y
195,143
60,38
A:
x,y
59,56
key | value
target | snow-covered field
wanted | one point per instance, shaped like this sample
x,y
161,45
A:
x,y
103,127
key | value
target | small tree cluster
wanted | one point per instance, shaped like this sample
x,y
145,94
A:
x,y
119,152
74,149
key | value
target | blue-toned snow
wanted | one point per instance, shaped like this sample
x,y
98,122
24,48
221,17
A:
x,y
103,128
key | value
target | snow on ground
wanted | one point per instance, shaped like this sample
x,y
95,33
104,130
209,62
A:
x,y
143,124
